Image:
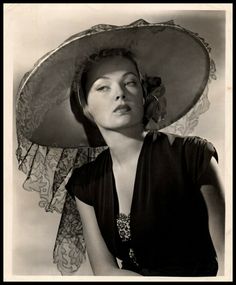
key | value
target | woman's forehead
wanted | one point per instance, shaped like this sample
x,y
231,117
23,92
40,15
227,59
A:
x,y
111,65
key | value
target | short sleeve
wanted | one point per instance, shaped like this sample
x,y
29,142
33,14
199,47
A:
x,y
78,187
198,153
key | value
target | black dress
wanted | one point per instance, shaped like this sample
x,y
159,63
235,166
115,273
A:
x,y
169,233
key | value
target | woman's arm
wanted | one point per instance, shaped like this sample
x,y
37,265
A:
x,y
213,194
101,260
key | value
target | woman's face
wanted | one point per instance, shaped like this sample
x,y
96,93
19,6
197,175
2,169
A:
x,y
114,93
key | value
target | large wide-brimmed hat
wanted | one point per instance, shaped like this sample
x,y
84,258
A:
x,y
180,57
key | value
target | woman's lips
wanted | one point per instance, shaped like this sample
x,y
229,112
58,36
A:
x,y
122,108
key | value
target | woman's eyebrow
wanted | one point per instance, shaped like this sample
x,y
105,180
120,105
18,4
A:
x,y
129,72
106,77
100,77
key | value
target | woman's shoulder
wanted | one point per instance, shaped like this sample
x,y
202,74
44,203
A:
x,y
178,144
89,168
173,139
83,177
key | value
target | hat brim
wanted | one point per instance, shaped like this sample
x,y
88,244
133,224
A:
x,y
178,56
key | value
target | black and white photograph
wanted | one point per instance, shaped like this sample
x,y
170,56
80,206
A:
x,y
117,142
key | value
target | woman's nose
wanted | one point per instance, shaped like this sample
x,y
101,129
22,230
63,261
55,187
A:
x,y
120,97
120,93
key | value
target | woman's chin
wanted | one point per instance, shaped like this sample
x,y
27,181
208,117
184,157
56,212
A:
x,y
124,125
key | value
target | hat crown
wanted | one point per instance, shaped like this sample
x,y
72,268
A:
x,y
139,22
105,27
102,27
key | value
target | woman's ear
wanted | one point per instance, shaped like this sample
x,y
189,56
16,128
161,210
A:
x,y
87,113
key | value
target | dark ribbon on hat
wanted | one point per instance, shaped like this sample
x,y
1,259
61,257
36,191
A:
x,y
155,102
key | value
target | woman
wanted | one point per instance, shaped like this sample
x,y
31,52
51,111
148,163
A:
x,y
145,200
169,230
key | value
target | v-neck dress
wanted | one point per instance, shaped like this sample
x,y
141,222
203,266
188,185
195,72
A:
x,y
168,222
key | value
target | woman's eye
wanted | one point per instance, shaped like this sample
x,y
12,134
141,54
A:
x,y
131,83
103,88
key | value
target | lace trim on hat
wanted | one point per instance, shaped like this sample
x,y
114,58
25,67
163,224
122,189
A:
x,y
47,172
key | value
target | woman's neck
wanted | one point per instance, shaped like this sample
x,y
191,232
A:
x,y
124,145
